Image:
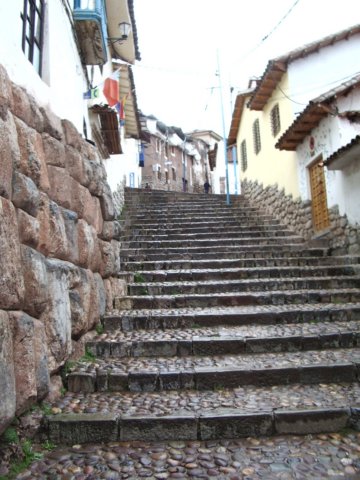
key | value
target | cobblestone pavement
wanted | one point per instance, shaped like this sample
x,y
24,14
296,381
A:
x,y
325,456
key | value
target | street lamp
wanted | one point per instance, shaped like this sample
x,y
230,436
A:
x,y
124,30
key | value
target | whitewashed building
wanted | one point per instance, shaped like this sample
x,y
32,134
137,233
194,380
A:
x,y
62,52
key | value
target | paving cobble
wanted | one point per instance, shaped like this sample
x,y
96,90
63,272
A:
x,y
325,456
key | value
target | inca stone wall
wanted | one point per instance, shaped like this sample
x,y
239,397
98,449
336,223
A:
x,y
342,237
59,247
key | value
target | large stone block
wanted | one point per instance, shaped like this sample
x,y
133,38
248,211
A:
x,y
81,303
82,202
24,359
10,152
96,215
32,156
78,167
100,288
52,240
107,203
60,183
71,229
35,278
72,136
26,108
6,95
89,249
111,231
54,151
57,315
42,375
98,179
29,229
11,278
7,373
108,265
25,194
52,124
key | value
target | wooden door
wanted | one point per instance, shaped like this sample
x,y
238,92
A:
x,y
320,212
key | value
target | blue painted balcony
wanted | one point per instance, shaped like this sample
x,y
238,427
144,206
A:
x,y
90,24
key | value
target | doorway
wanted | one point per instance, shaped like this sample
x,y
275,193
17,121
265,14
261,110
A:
x,y
320,213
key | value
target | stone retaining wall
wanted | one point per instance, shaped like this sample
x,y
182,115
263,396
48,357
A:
x,y
342,237
59,247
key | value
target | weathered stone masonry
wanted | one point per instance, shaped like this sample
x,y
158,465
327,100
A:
x,y
341,237
59,247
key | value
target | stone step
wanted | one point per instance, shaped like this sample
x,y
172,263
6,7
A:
x,y
283,264
259,285
195,229
219,340
232,272
208,225
246,411
201,216
139,374
232,233
229,299
129,320
191,242
222,252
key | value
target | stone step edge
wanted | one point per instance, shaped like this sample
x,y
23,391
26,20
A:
x,y
219,346
171,319
210,378
70,429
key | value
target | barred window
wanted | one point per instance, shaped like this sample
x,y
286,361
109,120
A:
x,y
256,136
275,120
32,18
243,153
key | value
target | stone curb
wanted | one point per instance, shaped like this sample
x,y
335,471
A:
x,y
221,424
207,378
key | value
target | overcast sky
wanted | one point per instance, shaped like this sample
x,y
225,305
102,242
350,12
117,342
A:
x,y
179,39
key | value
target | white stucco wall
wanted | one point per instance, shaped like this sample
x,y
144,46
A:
x,y
63,79
319,72
332,133
120,166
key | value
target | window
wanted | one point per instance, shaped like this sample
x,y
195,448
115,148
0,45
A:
x,y
174,174
256,136
275,120
166,154
32,19
166,176
158,145
243,153
172,150
159,173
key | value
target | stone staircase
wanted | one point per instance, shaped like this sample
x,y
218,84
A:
x,y
232,327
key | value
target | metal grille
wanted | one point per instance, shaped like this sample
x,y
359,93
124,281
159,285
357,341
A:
x,y
275,120
243,156
256,136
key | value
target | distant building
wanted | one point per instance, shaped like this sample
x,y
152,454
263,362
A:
x,y
173,160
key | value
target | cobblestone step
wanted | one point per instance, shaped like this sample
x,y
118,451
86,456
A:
x,y
223,252
206,226
232,233
230,340
193,219
351,264
239,242
229,299
198,415
129,320
253,285
149,374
